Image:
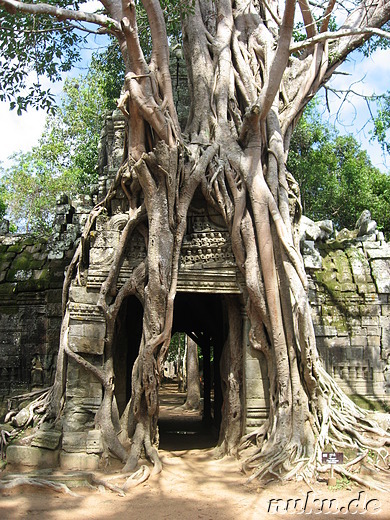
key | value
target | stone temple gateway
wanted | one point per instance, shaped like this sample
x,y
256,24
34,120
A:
x,y
208,278
349,294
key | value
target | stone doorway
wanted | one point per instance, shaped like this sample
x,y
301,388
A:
x,y
203,317
126,346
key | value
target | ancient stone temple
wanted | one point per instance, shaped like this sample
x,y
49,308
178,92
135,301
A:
x,y
349,293
208,283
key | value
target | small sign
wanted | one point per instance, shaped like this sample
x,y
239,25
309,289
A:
x,y
332,458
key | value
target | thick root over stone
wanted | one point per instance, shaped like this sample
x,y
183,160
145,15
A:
x,y
336,424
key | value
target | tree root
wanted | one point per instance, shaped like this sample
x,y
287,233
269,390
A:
x,y
37,482
137,478
112,487
141,438
336,422
32,414
4,438
132,480
342,471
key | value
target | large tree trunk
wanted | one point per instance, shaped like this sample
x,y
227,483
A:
x,y
247,91
193,381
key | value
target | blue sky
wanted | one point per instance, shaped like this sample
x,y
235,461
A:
x,y
368,76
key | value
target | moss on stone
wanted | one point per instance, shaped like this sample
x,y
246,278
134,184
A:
x,y
369,404
7,257
43,275
17,248
8,289
22,261
32,285
31,240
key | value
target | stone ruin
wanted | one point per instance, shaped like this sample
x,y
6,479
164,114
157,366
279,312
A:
x,y
349,291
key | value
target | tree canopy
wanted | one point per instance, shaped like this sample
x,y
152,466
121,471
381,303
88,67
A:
x,y
65,158
331,169
382,123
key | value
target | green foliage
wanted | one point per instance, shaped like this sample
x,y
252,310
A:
x,y
3,205
35,44
108,69
299,32
173,12
66,156
177,346
336,177
31,188
382,122
376,42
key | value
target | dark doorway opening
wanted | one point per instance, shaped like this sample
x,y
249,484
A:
x,y
202,317
128,333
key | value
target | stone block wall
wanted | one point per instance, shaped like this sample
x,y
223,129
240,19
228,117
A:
x,y
31,278
350,300
349,295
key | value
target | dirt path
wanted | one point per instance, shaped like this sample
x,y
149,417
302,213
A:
x,y
193,485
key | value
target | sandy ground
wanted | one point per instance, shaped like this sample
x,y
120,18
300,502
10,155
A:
x,y
194,485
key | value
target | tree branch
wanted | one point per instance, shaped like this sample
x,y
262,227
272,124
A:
x,y
160,56
328,12
130,29
280,60
328,35
274,16
310,24
13,6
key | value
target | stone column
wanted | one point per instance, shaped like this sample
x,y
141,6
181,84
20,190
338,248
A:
x,y
81,443
256,382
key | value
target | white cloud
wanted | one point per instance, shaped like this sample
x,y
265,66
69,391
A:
x,y
19,133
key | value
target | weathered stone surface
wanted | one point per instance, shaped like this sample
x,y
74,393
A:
x,y
381,274
365,225
87,337
4,226
74,442
310,230
351,312
312,258
32,456
49,440
373,251
79,461
21,418
79,294
94,441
